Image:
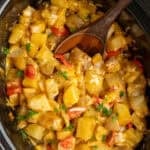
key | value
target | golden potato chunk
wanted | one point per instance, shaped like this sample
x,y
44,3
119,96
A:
x,y
93,82
17,33
39,103
35,131
85,128
124,116
71,96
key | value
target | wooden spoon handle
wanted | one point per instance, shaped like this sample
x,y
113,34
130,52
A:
x,y
101,26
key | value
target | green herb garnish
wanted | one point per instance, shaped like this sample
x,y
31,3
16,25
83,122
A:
x,y
56,110
104,138
114,117
106,112
72,30
5,50
69,128
100,107
95,147
63,74
23,134
28,47
122,93
20,73
29,114
63,107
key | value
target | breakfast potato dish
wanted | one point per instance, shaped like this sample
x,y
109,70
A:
x,y
73,101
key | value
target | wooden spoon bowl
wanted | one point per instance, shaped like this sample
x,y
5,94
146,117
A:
x,y
92,38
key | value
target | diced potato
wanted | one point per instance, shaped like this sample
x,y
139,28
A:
x,y
96,59
50,15
24,20
100,132
139,105
83,12
93,82
133,137
85,128
111,97
39,147
71,96
123,112
35,131
34,118
19,62
82,147
113,80
61,18
39,39
39,103
17,33
74,22
112,65
50,120
47,68
138,122
49,136
112,123
132,73
29,92
51,88
30,83
117,42
63,134
33,50
62,3
13,100
38,27
27,12
44,55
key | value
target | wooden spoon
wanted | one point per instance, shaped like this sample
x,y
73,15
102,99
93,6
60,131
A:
x,y
92,38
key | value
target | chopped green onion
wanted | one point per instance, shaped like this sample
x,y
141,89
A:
x,y
72,30
23,134
20,73
26,116
5,50
100,107
69,128
122,93
104,138
63,107
106,112
56,110
95,147
63,74
114,117
28,47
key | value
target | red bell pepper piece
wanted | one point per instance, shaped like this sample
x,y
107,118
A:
x,y
60,32
62,59
67,144
14,87
30,71
110,54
